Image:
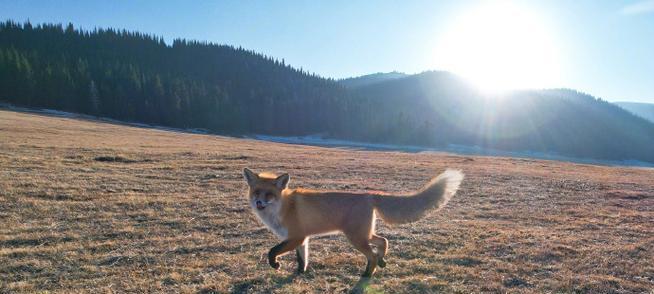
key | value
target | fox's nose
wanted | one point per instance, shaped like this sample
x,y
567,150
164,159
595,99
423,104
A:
x,y
259,204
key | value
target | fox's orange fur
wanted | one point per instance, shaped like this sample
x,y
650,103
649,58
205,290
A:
x,y
294,215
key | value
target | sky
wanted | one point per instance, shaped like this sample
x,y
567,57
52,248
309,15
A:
x,y
604,48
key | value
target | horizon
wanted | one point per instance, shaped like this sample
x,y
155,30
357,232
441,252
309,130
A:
x,y
628,76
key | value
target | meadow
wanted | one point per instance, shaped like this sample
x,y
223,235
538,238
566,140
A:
x,y
97,207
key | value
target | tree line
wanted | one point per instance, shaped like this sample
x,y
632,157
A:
x,y
138,77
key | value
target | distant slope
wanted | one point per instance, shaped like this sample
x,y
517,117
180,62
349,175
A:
x,y
438,108
644,110
371,79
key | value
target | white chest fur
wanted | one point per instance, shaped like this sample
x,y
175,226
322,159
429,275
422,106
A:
x,y
270,217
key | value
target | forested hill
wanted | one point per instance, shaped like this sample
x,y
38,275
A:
x,y
371,79
138,77
644,110
439,108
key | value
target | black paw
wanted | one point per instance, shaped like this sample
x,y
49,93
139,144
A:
x,y
300,269
272,259
381,263
275,264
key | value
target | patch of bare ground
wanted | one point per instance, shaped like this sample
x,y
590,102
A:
x,y
93,207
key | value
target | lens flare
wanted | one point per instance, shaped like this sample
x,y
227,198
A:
x,y
500,46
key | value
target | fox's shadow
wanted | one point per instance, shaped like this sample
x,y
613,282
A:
x,y
361,286
244,286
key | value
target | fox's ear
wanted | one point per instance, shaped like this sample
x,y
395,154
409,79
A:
x,y
250,176
282,181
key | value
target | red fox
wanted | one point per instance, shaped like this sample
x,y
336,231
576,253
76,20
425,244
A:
x,y
294,215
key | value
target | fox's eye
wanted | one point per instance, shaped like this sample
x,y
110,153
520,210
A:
x,y
269,196
257,192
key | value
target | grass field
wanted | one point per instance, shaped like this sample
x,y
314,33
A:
x,y
94,207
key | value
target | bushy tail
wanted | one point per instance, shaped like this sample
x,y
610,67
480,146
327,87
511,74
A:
x,y
410,208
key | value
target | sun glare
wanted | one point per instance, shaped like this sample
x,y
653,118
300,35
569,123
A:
x,y
500,46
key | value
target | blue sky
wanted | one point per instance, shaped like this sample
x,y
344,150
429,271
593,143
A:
x,y
605,48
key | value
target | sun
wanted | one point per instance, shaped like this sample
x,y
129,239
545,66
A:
x,y
500,46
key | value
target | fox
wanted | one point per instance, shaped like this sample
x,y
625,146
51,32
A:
x,y
295,215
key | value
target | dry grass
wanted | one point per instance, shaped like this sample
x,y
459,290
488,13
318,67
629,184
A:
x,y
91,207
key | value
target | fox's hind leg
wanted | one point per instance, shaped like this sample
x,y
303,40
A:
x,y
362,245
382,246
302,255
359,234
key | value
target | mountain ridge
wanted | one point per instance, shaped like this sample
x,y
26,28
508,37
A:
x,y
641,109
370,79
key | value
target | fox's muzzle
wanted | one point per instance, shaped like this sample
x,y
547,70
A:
x,y
260,205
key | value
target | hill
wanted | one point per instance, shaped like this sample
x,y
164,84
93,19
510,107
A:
x,y
644,110
371,79
96,207
438,108
136,77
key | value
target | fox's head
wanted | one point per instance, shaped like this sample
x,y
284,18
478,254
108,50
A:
x,y
265,189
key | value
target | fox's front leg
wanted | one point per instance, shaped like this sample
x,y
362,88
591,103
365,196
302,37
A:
x,y
302,255
282,248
